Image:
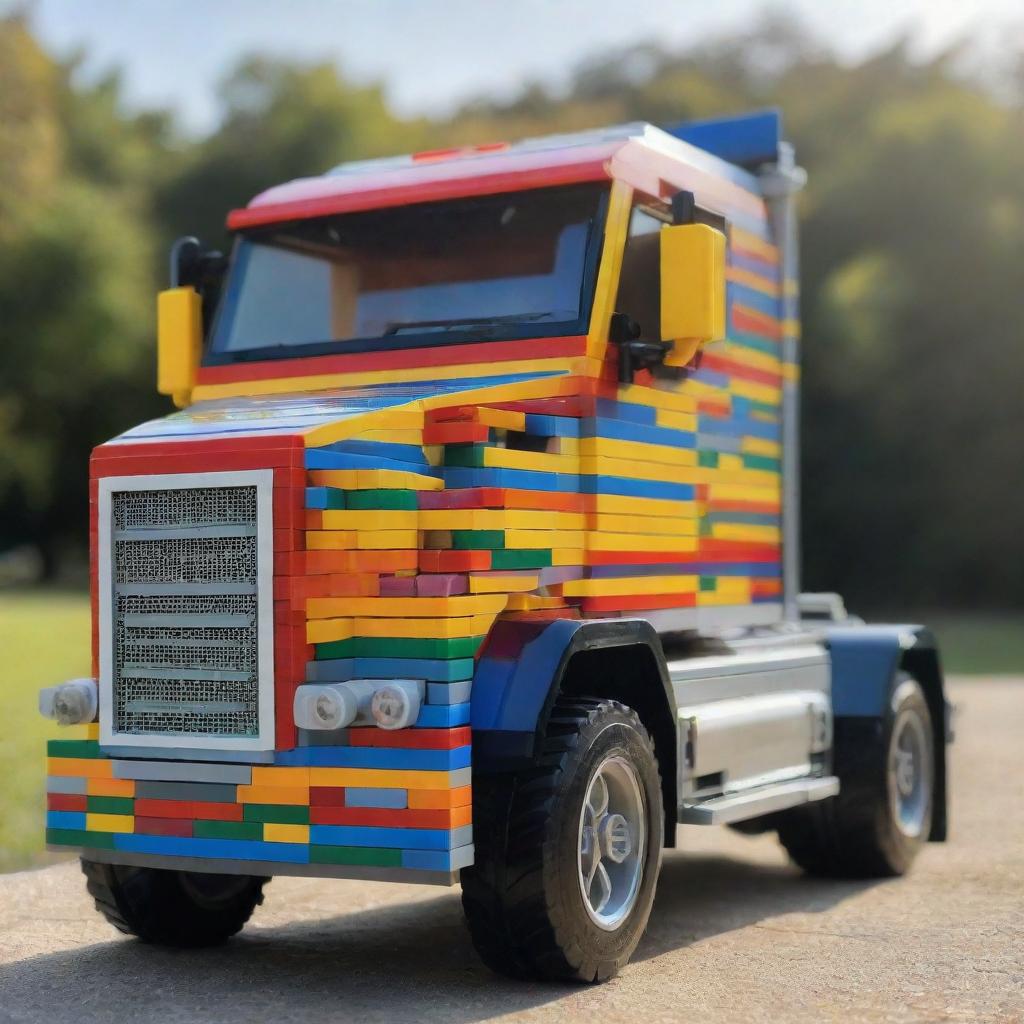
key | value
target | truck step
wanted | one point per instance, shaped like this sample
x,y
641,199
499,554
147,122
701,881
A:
x,y
752,803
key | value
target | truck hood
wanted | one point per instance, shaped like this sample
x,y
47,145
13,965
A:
x,y
323,417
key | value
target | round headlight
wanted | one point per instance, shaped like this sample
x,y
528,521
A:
x,y
392,707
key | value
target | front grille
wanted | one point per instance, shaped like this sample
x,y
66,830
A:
x,y
185,620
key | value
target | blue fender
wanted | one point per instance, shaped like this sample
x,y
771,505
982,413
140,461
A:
x,y
518,676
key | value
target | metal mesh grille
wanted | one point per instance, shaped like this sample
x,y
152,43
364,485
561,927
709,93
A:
x,y
196,506
186,652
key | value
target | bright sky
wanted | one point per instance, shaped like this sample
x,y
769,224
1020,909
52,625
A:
x,y
434,53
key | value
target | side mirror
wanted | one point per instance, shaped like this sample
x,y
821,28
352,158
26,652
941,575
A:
x,y
692,288
179,342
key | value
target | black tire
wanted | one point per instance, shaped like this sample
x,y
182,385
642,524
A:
x,y
523,897
858,834
173,908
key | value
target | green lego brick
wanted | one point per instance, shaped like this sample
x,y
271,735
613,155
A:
x,y
278,814
764,407
80,837
399,647
73,748
762,462
464,455
228,829
382,499
707,459
478,540
520,559
110,805
364,855
708,583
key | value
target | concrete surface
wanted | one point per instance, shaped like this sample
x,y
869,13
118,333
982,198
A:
x,y
736,935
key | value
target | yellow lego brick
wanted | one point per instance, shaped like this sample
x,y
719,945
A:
x,y
89,731
631,585
280,776
110,787
743,478
567,556
701,390
330,540
655,525
85,767
498,519
750,357
510,458
637,394
322,631
404,607
376,519
711,597
756,392
110,823
434,454
374,479
420,629
662,455
380,778
754,245
504,419
755,534
274,833
734,492
616,229
634,470
639,542
626,505
535,540
480,583
563,446
759,446
760,283
676,420
386,540
730,463
533,602
291,795
392,435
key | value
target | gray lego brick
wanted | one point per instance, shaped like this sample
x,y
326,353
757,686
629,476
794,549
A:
x,y
391,798
462,857
68,784
460,777
211,792
323,737
462,836
267,869
184,771
183,754
449,693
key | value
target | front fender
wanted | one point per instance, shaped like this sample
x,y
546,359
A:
x,y
518,677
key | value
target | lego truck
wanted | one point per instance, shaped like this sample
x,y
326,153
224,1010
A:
x,y
471,555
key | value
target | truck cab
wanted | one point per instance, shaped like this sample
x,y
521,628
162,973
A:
x,y
472,555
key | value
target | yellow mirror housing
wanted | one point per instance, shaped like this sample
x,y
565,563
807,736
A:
x,y
179,342
692,288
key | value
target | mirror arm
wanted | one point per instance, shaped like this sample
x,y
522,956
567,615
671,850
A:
x,y
634,354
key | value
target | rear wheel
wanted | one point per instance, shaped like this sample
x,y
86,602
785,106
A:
x,y
567,854
882,815
173,908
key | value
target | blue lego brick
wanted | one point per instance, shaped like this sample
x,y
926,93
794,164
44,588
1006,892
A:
x,y
711,377
608,407
317,458
389,838
393,799
434,860
756,265
376,757
230,849
754,342
527,479
325,497
65,819
636,488
449,693
623,430
753,299
380,450
552,426
442,716
747,140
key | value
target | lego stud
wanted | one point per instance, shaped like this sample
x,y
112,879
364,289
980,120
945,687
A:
x,y
71,703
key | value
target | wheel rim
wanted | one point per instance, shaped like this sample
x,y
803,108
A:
x,y
612,842
909,773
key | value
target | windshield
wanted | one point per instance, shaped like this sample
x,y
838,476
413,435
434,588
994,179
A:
x,y
509,266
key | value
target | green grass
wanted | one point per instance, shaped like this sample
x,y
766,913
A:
x,y
44,639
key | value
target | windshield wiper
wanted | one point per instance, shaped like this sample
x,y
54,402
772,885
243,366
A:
x,y
469,321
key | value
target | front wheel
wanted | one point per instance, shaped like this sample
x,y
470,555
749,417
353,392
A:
x,y
173,908
567,854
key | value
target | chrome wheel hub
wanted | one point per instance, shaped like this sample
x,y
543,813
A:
x,y
612,842
909,773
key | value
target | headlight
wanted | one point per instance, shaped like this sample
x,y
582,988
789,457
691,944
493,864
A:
x,y
71,703
391,704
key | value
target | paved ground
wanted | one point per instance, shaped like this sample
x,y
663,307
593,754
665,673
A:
x,y
736,935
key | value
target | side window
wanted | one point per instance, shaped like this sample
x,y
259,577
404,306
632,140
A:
x,y
639,295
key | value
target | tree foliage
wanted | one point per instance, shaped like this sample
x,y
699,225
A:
x,y
913,230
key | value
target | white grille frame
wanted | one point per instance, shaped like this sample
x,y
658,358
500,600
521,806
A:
x,y
190,745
